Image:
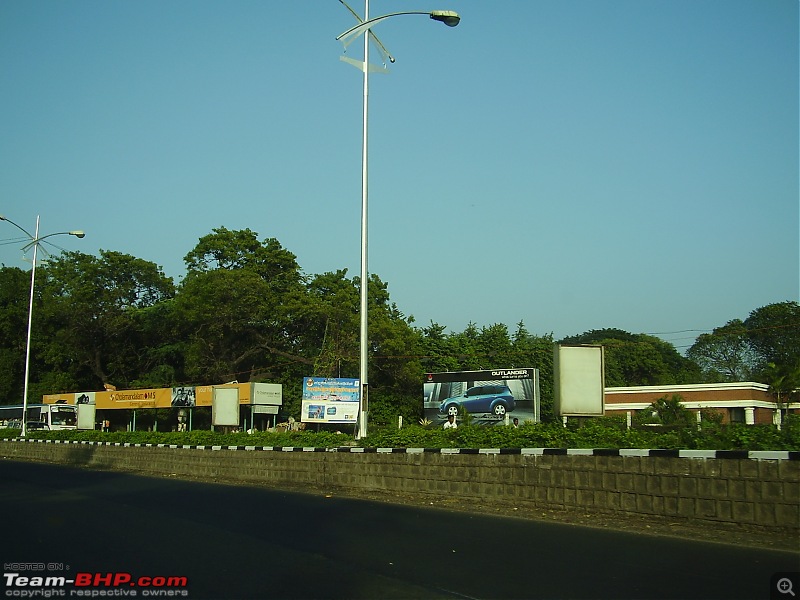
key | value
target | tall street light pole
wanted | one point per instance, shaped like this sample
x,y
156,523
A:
x,y
451,19
34,242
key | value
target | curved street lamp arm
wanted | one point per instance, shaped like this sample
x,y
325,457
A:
x,y
25,231
34,241
448,17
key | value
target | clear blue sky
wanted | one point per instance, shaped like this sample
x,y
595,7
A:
x,y
573,164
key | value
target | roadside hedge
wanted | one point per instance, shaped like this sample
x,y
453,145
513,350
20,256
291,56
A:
x,y
601,432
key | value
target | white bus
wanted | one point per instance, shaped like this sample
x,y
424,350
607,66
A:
x,y
53,417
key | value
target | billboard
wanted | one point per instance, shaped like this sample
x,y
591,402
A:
x,y
85,403
578,382
176,397
330,400
225,406
491,397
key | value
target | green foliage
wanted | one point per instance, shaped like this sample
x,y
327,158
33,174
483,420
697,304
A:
x,y
738,436
774,333
603,432
724,354
790,432
638,359
765,347
385,407
311,439
245,311
668,411
413,436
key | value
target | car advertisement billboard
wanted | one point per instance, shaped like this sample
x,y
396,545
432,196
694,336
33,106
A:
x,y
330,400
491,397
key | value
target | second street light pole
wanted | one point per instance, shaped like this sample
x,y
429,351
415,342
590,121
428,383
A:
x,y
451,19
30,325
34,242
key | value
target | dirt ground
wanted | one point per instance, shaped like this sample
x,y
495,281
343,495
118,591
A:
x,y
713,532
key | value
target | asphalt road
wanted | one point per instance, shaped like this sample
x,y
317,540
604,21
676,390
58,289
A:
x,y
245,542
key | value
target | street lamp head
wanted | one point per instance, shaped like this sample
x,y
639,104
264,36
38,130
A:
x,y
448,17
78,234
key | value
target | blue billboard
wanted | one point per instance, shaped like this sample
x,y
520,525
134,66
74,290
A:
x,y
330,400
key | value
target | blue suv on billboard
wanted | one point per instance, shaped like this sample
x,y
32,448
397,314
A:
x,y
495,399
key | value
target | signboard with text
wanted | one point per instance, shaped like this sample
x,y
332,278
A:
x,y
330,400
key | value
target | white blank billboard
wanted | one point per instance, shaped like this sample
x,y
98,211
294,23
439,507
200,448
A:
x,y
578,381
225,406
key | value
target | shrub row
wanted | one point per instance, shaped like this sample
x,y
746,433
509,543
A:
x,y
603,432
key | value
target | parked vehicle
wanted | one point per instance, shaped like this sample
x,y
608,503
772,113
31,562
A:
x,y
53,416
494,399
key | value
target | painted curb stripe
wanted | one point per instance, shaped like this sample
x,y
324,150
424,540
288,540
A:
x,y
621,452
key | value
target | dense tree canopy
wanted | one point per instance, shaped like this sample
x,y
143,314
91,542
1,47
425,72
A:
x,y
724,354
245,311
14,289
764,347
639,359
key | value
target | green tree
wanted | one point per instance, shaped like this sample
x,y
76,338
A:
x,y
784,383
14,290
89,331
537,352
725,354
331,324
774,334
238,305
395,365
668,411
234,326
437,349
638,359
234,250
469,349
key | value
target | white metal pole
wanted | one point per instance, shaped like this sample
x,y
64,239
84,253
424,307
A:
x,y
30,322
363,357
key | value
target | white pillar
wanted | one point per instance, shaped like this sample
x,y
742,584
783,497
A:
x,y
776,418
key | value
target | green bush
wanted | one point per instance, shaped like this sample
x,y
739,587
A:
x,y
602,432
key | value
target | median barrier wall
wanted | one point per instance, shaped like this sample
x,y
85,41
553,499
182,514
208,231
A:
x,y
760,489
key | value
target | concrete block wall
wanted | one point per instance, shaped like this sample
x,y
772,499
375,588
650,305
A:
x,y
751,488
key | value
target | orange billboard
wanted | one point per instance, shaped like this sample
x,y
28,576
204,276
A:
x,y
182,396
